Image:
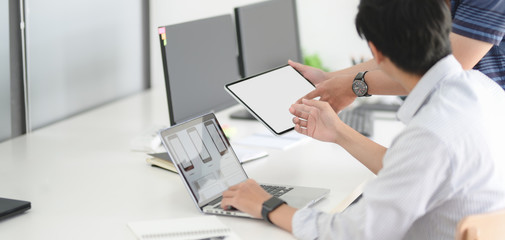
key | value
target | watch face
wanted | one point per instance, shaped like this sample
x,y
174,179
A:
x,y
360,88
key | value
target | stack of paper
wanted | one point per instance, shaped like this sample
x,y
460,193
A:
x,y
162,159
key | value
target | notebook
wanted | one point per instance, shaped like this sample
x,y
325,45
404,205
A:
x,y
202,227
208,166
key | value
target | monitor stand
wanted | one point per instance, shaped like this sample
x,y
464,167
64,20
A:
x,y
242,114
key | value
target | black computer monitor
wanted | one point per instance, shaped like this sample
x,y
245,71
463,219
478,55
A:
x,y
199,58
267,35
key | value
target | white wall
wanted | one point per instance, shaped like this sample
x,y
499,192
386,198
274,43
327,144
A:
x,y
326,28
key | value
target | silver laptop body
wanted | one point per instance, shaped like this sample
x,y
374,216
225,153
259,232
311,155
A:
x,y
208,166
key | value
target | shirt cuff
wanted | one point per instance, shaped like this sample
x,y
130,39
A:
x,y
304,224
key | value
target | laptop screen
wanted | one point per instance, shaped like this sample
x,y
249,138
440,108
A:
x,y
203,157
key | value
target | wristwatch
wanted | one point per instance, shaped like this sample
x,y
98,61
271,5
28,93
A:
x,y
270,205
359,86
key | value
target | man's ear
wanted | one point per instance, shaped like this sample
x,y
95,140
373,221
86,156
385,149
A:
x,y
376,53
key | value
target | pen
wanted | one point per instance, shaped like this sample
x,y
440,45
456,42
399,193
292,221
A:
x,y
214,238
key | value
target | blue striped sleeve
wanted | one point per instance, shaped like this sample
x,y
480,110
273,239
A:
x,y
485,22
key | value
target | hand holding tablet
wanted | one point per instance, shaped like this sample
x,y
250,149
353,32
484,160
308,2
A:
x,y
269,95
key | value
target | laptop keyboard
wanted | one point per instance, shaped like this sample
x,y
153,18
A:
x,y
359,119
216,201
276,191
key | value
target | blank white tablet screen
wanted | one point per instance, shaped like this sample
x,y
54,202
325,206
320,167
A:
x,y
269,95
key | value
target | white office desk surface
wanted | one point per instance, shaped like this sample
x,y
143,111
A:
x,y
84,182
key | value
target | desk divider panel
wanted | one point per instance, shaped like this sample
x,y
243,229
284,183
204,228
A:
x,y
199,58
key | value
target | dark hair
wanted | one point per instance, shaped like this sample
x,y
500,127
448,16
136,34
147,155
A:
x,y
414,34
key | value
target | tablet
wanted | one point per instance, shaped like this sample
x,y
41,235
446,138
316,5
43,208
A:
x,y
269,95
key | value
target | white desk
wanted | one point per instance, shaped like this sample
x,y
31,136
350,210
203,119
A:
x,y
84,182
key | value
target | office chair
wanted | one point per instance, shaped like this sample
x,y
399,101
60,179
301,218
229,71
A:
x,y
487,226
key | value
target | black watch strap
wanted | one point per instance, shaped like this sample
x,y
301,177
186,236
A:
x,y
270,205
360,76
359,82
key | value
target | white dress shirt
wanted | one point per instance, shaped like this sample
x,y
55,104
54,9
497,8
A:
x,y
445,165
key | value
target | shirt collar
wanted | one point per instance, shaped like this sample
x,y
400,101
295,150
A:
x,y
426,85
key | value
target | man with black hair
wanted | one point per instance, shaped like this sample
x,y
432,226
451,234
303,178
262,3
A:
x,y
477,39
446,164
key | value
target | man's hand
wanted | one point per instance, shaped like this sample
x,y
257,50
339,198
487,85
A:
x,y
247,197
335,88
314,75
337,91
316,119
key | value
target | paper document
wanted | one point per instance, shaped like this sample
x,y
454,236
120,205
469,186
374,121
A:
x,y
148,140
267,139
246,154
350,198
204,227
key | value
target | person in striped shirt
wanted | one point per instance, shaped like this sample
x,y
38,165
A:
x,y
477,40
478,29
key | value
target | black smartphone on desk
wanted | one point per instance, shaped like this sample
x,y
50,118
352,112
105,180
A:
x,y
11,207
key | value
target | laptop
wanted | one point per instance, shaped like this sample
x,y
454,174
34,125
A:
x,y
208,166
